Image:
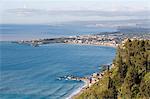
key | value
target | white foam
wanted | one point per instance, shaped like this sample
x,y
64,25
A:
x,y
77,91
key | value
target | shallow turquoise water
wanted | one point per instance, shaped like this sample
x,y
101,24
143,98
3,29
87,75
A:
x,y
31,72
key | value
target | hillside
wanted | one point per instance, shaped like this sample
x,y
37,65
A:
x,y
128,78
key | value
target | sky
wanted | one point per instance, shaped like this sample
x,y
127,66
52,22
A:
x,y
57,11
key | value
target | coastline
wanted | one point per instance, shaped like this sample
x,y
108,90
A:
x,y
92,44
81,85
88,84
111,40
78,91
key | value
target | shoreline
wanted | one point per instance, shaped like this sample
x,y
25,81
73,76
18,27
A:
x,y
111,40
91,44
77,91
87,84
82,44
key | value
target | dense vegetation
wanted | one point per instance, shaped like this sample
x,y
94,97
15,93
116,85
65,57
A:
x,y
130,76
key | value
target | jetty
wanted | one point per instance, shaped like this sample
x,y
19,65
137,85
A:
x,y
89,80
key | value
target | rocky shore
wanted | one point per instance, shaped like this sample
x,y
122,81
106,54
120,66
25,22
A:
x,y
88,81
91,80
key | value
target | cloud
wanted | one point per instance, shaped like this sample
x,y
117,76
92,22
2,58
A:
x,y
41,12
25,12
34,15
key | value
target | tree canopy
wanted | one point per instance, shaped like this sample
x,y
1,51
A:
x,y
130,77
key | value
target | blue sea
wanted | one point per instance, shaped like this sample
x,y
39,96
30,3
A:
x,y
11,32
32,72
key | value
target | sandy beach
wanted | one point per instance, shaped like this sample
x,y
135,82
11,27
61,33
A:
x,y
79,90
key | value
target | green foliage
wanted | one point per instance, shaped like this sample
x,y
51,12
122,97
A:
x,y
145,86
129,79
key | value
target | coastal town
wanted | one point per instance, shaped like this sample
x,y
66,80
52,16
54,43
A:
x,y
112,39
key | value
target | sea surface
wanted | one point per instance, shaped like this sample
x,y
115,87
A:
x,y
28,72
11,32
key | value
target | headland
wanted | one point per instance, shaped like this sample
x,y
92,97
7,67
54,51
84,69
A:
x,y
112,39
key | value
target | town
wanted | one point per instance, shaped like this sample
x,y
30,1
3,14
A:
x,y
112,39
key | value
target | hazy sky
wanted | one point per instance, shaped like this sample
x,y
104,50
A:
x,y
53,11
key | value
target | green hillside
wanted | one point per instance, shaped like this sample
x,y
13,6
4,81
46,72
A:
x,y
129,78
